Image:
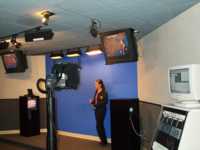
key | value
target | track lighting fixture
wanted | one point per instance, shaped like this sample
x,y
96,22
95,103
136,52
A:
x,y
33,34
73,53
57,55
14,42
45,16
95,25
38,35
4,45
93,50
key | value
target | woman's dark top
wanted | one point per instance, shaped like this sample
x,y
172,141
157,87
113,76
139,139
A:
x,y
100,99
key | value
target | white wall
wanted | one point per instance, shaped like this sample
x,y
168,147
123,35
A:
x,y
175,43
15,85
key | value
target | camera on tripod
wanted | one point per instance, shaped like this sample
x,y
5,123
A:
x,y
62,76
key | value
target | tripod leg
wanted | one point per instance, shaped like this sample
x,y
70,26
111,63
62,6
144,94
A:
x,y
51,125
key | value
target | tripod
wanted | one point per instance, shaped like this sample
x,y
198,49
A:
x,y
57,81
51,117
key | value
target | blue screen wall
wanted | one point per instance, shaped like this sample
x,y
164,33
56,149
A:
x,y
74,113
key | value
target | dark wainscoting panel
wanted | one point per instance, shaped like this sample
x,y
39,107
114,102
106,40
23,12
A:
x,y
149,114
9,114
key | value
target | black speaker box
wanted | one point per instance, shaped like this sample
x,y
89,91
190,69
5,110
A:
x,y
29,117
122,134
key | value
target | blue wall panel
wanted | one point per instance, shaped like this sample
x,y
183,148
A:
x,y
74,113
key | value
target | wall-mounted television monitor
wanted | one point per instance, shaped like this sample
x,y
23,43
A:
x,y
184,82
119,46
14,62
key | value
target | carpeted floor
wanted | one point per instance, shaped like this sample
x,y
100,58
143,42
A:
x,y
17,142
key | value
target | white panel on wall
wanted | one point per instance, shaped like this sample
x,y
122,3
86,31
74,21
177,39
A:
x,y
16,84
175,43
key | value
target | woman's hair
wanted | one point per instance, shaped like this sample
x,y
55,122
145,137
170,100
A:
x,y
99,81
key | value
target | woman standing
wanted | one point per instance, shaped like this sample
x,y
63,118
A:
x,y
99,103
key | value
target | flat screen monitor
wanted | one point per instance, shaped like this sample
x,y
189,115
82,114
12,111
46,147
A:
x,y
119,46
32,104
184,82
14,62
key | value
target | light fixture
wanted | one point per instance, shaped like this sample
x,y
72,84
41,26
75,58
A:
x,y
38,35
73,53
45,16
94,50
95,25
57,55
4,44
136,31
14,41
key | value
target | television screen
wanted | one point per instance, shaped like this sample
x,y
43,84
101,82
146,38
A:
x,y
179,81
32,104
10,60
14,62
119,46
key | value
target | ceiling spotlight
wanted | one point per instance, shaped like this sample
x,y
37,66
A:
x,y
4,45
57,55
73,53
136,31
45,16
94,50
95,25
14,42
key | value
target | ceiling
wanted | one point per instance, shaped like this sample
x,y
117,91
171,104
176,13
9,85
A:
x,y
72,19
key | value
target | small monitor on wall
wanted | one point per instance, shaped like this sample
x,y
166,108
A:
x,y
119,46
14,62
184,82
